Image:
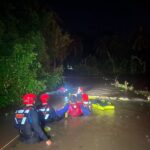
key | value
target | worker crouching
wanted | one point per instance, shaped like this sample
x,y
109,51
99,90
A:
x,y
28,123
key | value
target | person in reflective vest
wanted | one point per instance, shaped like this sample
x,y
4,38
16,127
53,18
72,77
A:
x,y
27,122
84,102
86,105
74,108
47,113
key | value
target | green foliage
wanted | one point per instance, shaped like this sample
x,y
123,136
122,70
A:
x,y
19,74
54,78
30,43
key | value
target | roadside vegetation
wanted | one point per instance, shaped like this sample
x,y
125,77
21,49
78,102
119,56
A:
x,y
33,46
126,86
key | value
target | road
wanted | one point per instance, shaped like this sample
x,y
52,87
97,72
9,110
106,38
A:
x,y
125,128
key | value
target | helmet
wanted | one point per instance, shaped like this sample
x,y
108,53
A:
x,y
80,90
29,98
85,97
44,98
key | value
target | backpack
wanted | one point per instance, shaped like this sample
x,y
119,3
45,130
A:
x,y
47,113
22,116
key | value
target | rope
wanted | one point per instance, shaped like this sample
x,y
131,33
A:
x,y
9,142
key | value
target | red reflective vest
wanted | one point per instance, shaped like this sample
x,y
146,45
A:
x,y
74,110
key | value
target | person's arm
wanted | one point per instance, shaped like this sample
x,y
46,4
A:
x,y
54,114
61,112
37,128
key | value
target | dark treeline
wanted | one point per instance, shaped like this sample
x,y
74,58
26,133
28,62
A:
x,y
114,54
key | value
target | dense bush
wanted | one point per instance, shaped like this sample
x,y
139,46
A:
x,y
19,74
30,44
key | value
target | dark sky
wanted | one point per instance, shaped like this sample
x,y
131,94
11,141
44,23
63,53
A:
x,y
93,19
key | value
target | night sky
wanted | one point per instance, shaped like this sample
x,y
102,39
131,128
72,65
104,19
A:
x,y
93,19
